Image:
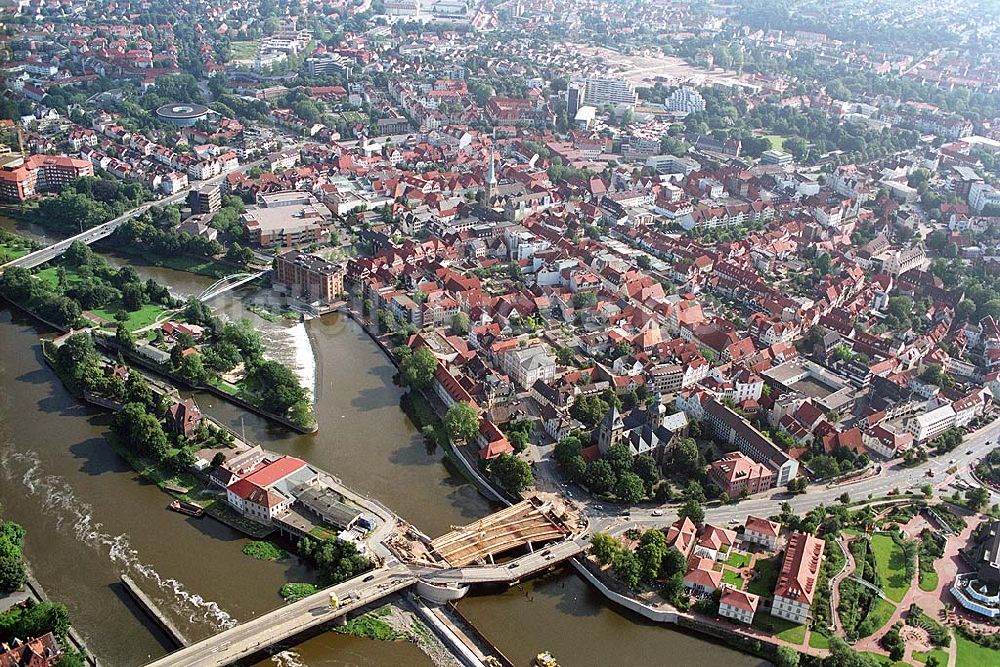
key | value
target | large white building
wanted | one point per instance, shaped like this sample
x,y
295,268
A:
x,y
599,91
982,195
685,99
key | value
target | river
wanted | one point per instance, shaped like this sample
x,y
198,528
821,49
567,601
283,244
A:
x,y
89,519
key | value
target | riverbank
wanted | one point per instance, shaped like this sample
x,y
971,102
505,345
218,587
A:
x,y
152,367
36,591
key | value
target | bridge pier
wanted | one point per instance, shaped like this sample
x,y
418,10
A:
x,y
340,621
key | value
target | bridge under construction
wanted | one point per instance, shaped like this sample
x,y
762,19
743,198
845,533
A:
x,y
528,523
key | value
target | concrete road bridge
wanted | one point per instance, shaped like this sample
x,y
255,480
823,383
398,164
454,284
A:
x,y
536,524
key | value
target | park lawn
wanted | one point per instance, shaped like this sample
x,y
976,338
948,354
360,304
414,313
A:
x,y
51,277
939,653
137,319
928,581
777,141
879,615
203,266
885,660
818,640
9,253
767,575
971,654
738,559
244,50
733,578
891,568
792,633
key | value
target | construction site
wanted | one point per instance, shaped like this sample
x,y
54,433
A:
x,y
539,520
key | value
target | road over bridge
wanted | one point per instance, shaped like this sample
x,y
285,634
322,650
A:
x,y
99,232
257,634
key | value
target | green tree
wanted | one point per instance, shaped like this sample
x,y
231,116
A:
x,y
977,498
786,657
417,369
619,458
604,548
693,510
687,457
512,473
566,449
11,565
600,476
460,323
462,422
652,548
628,568
646,467
630,488
842,655
140,431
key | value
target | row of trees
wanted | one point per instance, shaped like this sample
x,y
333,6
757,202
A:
x,y
628,479
653,561
337,560
89,201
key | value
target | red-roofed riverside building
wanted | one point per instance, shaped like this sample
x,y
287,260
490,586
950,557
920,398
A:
x,y
40,173
793,594
701,577
682,534
738,605
41,652
183,417
267,491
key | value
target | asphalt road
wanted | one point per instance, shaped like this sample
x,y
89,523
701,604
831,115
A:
x,y
893,475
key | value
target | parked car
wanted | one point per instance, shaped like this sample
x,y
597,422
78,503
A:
x,y
657,512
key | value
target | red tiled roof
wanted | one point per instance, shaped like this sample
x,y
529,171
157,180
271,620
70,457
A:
x,y
276,470
739,599
762,526
800,568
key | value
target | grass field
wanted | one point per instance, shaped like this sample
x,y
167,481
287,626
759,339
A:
x,y
767,576
877,617
738,559
732,578
10,252
885,660
891,567
244,50
136,320
818,640
939,653
971,654
792,633
777,141
928,581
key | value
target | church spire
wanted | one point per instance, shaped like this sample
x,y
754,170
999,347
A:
x,y
491,179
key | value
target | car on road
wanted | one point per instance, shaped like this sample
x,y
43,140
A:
x,y
368,578
512,566
968,452
657,512
930,473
